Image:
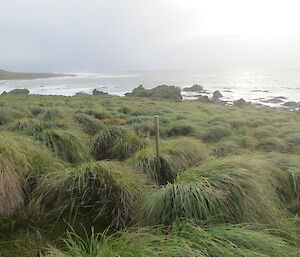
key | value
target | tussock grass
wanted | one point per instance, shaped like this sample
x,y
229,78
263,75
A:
x,y
89,125
187,239
215,133
9,114
271,144
234,189
51,114
180,130
175,156
225,148
115,143
21,161
103,190
287,173
63,144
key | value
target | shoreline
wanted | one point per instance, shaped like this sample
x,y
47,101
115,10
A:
x,y
8,75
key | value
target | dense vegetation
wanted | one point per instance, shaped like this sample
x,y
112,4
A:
x,y
79,177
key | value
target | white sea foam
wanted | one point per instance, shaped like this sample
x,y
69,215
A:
x,y
252,85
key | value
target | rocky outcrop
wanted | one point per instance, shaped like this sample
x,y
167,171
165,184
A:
x,y
195,88
292,104
98,92
274,100
240,102
160,92
204,99
19,91
217,95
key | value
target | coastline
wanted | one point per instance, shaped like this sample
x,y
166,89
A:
x,y
8,75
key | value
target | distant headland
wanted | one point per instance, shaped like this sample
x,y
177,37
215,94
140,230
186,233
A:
x,y
8,75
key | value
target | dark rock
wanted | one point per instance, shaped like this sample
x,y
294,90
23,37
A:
x,y
274,100
81,93
291,104
98,92
19,91
4,93
194,88
204,99
258,90
160,92
240,102
217,95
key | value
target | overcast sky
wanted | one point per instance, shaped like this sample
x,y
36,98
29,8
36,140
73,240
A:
x,y
112,35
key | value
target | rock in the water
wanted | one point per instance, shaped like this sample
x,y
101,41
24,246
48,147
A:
x,y
217,94
194,88
160,92
240,102
274,100
291,104
204,99
98,92
19,91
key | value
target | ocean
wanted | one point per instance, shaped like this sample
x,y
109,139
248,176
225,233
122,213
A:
x,y
254,85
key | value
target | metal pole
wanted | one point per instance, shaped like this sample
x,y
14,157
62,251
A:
x,y
156,125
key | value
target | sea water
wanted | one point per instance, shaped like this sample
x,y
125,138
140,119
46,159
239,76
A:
x,y
255,85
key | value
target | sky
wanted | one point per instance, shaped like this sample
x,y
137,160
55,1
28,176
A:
x,y
116,35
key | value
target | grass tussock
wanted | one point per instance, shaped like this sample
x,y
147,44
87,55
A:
x,y
233,189
215,133
103,190
115,143
88,124
63,144
21,162
175,156
187,239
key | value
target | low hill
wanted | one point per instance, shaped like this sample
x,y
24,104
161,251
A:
x,y
7,75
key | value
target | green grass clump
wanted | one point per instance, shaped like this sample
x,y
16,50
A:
x,y
234,189
51,114
63,144
21,162
225,148
175,156
103,190
89,125
180,130
115,143
234,241
186,239
271,144
215,134
288,177
19,125
9,114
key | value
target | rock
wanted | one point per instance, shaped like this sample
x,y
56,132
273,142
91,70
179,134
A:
x,y
160,92
217,95
240,102
19,91
204,99
274,100
194,88
97,92
291,104
258,90
4,93
81,93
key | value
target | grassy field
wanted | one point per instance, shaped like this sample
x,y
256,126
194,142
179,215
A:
x,y
79,177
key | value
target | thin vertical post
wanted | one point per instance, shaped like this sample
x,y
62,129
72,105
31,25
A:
x,y
156,125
